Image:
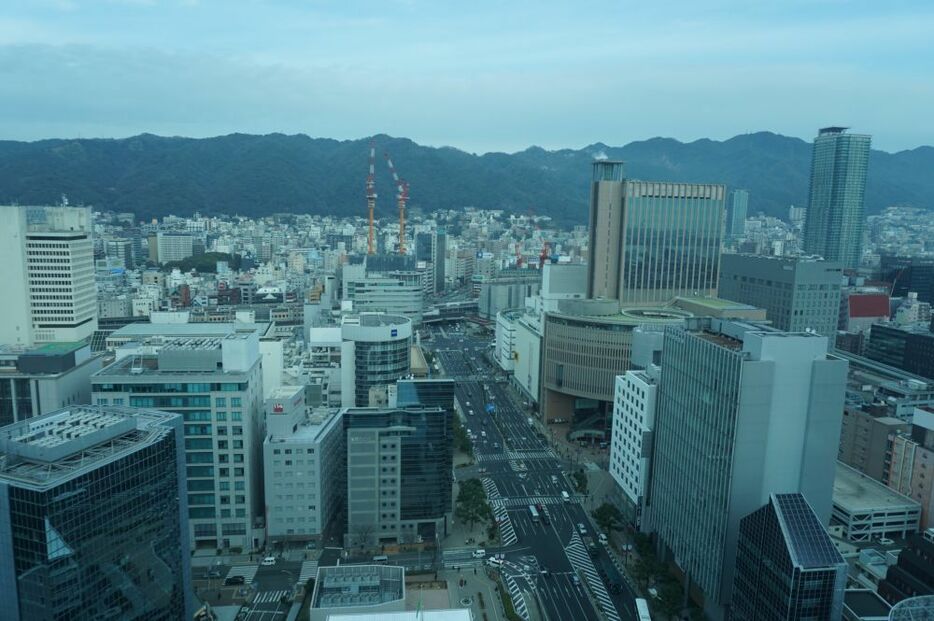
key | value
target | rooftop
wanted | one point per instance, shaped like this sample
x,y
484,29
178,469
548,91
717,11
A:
x,y
44,451
866,604
718,303
135,331
854,492
352,586
808,542
452,614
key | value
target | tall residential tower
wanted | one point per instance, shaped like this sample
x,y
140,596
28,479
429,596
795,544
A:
x,y
834,226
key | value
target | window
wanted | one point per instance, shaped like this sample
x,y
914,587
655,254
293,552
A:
x,y
235,402
220,402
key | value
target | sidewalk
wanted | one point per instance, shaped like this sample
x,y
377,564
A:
x,y
485,601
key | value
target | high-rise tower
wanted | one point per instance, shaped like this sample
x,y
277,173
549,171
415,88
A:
x,y
834,225
47,256
652,241
743,411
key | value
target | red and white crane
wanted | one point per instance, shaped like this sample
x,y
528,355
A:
x,y
371,199
401,198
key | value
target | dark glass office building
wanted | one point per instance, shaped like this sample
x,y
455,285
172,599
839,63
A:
x,y
909,274
906,348
787,568
399,464
92,517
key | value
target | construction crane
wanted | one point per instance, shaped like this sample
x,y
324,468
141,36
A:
x,y
401,198
371,199
544,255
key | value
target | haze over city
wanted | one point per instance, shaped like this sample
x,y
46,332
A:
x,y
270,350
480,76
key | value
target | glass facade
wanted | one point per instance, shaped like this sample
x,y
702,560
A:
x,y
379,364
412,449
736,209
787,568
104,542
671,241
834,225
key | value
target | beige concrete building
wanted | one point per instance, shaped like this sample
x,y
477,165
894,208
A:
x,y
864,441
912,464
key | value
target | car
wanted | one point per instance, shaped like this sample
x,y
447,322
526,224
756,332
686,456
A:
x,y
554,479
582,528
576,580
232,580
494,562
602,538
269,560
214,572
479,553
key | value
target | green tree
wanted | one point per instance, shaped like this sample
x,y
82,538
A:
x,y
670,598
580,481
471,505
608,517
462,441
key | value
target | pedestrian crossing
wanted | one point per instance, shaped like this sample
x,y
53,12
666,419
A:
x,y
507,532
518,602
514,455
269,597
462,557
247,571
529,500
580,560
489,486
309,571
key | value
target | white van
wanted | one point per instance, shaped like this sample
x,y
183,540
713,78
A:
x,y
479,553
565,497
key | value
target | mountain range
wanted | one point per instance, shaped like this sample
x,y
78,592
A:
x,y
255,175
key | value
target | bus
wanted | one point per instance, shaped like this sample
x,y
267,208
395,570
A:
x,y
642,610
534,513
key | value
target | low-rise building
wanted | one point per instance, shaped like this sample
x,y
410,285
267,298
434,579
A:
x,y
41,379
370,590
867,509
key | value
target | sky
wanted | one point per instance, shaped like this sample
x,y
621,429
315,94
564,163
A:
x,y
480,75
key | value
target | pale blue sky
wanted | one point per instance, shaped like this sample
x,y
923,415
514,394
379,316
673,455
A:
x,y
476,74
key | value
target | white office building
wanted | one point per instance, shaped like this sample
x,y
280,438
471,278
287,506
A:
x,y
47,255
174,246
304,472
633,423
216,384
743,411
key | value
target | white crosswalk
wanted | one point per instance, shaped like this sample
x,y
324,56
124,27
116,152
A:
x,y
506,530
247,571
489,486
309,571
516,455
268,597
580,559
518,602
530,500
